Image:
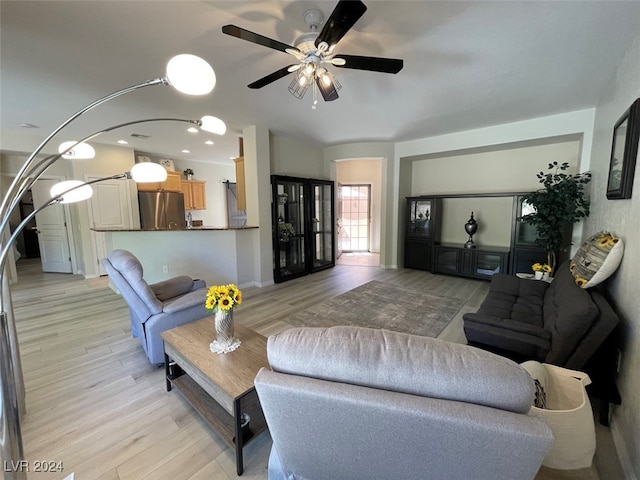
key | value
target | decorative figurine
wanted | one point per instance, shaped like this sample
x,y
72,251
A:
x,y
471,227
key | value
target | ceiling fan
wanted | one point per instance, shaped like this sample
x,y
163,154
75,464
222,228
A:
x,y
314,51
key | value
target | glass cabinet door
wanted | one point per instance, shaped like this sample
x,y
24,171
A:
x,y
525,233
420,218
321,230
289,229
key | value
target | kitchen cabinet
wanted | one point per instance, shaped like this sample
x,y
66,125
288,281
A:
x,y
194,194
303,226
241,196
171,184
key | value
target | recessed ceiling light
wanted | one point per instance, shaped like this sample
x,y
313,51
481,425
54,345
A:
x,y
186,151
29,125
192,130
123,142
209,142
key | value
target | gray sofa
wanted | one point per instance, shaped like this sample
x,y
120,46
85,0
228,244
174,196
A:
x,y
355,403
157,307
558,323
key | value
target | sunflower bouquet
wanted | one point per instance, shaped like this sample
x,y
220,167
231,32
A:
x,y
541,267
223,297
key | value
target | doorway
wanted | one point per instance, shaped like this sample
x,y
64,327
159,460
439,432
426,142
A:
x,y
355,217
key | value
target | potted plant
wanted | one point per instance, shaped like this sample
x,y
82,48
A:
x,y
286,231
282,198
561,202
188,173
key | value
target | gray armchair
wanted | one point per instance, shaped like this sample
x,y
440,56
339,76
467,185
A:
x,y
157,307
355,403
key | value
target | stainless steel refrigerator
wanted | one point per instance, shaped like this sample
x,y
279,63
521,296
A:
x,y
161,210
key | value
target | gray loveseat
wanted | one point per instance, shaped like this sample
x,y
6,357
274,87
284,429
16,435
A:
x,y
355,403
558,323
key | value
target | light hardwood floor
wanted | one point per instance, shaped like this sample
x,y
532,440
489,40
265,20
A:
x,y
95,403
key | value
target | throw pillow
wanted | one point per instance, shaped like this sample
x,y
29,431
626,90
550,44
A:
x,y
538,373
596,260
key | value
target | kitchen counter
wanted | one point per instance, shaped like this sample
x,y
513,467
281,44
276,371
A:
x,y
168,229
217,255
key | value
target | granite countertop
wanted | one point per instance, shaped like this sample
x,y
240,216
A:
x,y
170,230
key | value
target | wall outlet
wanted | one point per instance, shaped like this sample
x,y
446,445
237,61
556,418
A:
x,y
165,269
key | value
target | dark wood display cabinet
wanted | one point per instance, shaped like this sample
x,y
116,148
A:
x,y
479,262
303,226
524,249
422,231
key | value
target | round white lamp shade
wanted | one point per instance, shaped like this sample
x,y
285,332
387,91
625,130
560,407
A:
x,y
80,151
148,172
190,74
213,125
73,191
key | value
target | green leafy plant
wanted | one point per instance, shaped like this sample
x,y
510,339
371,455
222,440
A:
x,y
286,231
561,202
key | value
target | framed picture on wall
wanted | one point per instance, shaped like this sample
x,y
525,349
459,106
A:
x,y
624,151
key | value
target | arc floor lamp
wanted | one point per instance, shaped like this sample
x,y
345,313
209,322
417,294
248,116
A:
x,y
186,73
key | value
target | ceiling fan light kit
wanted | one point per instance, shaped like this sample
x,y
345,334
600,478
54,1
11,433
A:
x,y
314,51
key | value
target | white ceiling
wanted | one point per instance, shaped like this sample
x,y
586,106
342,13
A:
x,y
466,65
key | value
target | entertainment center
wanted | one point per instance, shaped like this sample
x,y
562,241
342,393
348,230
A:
x,y
425,249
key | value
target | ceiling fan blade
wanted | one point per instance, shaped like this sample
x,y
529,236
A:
x,y
374,64
272,77
329,92
252,37
343,17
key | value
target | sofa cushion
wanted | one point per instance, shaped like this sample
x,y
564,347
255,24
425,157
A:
x,y
517,299
596,260
403,363
173,287
569,313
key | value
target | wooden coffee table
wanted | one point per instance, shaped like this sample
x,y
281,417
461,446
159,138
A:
x,y
219,386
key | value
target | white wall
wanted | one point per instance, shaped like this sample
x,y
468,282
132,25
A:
x,y
492,215
109,160
295,158
623,218
504,168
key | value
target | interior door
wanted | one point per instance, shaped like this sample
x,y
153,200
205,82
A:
x,y
339,222
51,223
109,208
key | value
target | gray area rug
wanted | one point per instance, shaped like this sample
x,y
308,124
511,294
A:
x,y
382,305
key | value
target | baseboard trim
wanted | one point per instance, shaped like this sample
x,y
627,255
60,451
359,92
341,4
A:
x,y
623,453
256,284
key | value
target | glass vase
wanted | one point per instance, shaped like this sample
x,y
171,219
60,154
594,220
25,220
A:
x,y
224,342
